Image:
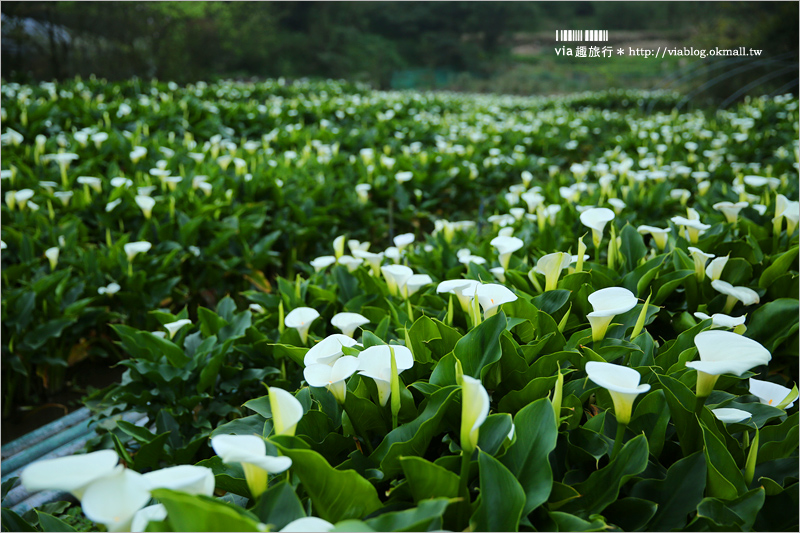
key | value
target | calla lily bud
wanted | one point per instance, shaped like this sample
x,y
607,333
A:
x,y
286,411
52,255
642,317
474,411
558,392
750,465
621,382
338,246
581,252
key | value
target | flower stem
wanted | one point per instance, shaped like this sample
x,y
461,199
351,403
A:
x,y
463,490
618,440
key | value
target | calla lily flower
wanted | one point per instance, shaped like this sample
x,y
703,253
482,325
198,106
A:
x,y
770,393
607,303
173,327
133,248
403,240
308,524
700,258
22,196
550,266
251,452
729,415
505,247
350,262
723,352
469,258
115,499
415,283
333,376
785,208
742,294
402,177
338,246
301,319
474,411
362,190
323,261
286,411
328,350
374,260
52,255
491,296
185,478
396,277
348,322
715,267
718,320
596,219
355,244
145,515
137,153
90,181
692,227
617,204
111,289
70,474
146,204
730,210
621,382
499,273
393,253
464,289
375,362
759,181
64,196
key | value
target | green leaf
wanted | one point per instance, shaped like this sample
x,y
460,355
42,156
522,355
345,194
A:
x,y
49,522
278,506
602,487
568,522
780,264
502,498
426,517
630,514
494,431
428,480
551,301
228,477
651,417
633,248
337,495
677,494
535,389
150,453
201,513
778,441
481,346
13,522
773,322
173,353
210,322
725,480
527,458
414,437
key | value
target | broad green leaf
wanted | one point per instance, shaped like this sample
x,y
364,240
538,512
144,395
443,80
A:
x,y
428,480
201,513
427,516
569,522
602,487
651,417
725,480
278,506
49,522
228,477
677,494
778,441
630,514
337,495
780,264
502,498
527,458
633,248
481,346
534,390
773,322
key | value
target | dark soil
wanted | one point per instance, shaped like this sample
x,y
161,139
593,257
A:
x,y
81,380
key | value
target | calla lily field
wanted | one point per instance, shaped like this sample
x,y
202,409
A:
x,y
343,309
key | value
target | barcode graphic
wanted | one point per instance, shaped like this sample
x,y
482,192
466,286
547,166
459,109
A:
x,y
581,35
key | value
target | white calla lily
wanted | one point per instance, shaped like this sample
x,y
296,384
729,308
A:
x,y
301,319
700,258
173,327
606,304
328,350
550,266
464,289
374,260
403,240
730,415
415,283
70,474
323,261
348,322
715,267
396,277
52,256
114,500
723,352
505,247
111,289
491,296
770,393
735,294
375,362
730,210
91,182
251,452
146,204
185,478
718,320
134,248
692,227
596,219
338,246
475,405
145,515
286,411
621,382
332,377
